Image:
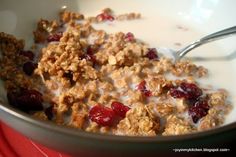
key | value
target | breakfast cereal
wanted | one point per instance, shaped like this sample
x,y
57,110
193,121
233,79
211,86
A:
x,y
106,83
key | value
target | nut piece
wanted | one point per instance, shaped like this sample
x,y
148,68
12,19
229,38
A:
x,y
78,116
128,16
44,27
177,126
186,67
138,122
164,109
217,98
67,16
181,105
211,120
156,84
112,60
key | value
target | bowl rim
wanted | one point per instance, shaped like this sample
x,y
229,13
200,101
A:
x,y
108,137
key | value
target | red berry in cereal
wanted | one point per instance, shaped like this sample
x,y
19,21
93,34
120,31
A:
x,y
54,37
152,54
129,36
28,54
142,87
26,100
198,110
29,67
102,115
186,90
119,109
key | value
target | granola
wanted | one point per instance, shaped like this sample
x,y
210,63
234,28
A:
x,y
107,83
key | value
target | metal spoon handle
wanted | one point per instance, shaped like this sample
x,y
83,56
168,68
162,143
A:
x,y
209,38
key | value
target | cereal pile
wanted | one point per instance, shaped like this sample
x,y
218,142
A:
x,y
106,83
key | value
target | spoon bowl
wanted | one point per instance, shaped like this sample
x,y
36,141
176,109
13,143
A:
x,y
209,38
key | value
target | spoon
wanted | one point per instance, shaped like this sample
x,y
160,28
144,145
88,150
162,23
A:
x,y
178,55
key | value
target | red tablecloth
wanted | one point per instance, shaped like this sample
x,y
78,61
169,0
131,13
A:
x,y
14,144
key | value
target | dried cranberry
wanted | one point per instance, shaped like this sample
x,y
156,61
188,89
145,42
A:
x,y
90,50
92,58
129,36
54,37
176,93
152,54
89,57
147,93
30,100
198,110
119,109
26,100
167,87
12,98
102,115
188,91
101,16
142,87
192,90
28,54
29,67
49,112
191,102
105,16
110,18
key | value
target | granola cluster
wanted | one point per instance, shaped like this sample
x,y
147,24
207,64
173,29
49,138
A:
x,y
107,83
138,122
10,61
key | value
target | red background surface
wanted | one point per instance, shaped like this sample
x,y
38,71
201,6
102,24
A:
x,y
14,144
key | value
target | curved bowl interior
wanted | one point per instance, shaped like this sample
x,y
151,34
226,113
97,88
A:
x,y
159,28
